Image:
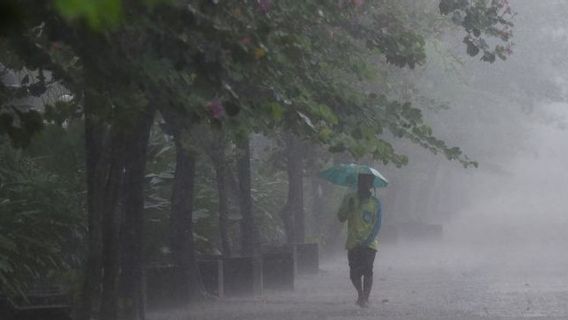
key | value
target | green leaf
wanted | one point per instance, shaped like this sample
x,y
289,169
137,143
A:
x,y
99,14
276,111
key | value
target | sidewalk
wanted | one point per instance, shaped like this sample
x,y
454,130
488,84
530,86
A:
x,y
412,284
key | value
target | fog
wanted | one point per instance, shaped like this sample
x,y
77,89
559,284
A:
x,y
511,117
526,205
502,253
202,211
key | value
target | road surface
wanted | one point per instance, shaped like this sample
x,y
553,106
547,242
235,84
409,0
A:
x,y
412,282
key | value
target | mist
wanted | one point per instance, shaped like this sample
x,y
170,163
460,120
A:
x,y
515,128
357,159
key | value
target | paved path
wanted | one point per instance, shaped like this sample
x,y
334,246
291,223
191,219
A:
x,y
418,282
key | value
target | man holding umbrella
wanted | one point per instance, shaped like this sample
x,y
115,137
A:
x,y
362,211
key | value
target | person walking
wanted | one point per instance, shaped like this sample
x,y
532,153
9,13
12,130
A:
x,y
363,214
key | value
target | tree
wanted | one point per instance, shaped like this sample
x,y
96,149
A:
x,y
293,211
249,231
181,220
132,225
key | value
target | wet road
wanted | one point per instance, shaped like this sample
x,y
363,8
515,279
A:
x,y
418,282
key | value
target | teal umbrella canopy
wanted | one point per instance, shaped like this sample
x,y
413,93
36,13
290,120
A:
x,y
346,175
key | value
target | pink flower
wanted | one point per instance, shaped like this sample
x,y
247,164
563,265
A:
x,y
216,108
265,5
246,40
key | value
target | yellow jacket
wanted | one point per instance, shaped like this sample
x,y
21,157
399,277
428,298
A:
x,y
364,218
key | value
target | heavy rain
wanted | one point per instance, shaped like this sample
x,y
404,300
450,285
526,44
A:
x,y
283,159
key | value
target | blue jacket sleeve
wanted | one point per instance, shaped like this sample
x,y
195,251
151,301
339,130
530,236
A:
x,y
376,226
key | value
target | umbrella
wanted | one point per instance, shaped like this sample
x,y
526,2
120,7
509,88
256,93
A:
x,y
346,175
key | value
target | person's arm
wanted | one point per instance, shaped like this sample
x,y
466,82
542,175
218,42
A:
x,y
376,226
345,208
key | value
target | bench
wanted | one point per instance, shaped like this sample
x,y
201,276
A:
x,y
43,300
279,267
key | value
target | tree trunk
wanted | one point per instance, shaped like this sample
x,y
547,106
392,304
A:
x,y
249,230
96,169
182,224
293,212
318,203
111,226
214,146
181,218
221,177
132,262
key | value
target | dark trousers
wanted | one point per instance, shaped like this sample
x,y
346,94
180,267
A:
x,y
361,261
